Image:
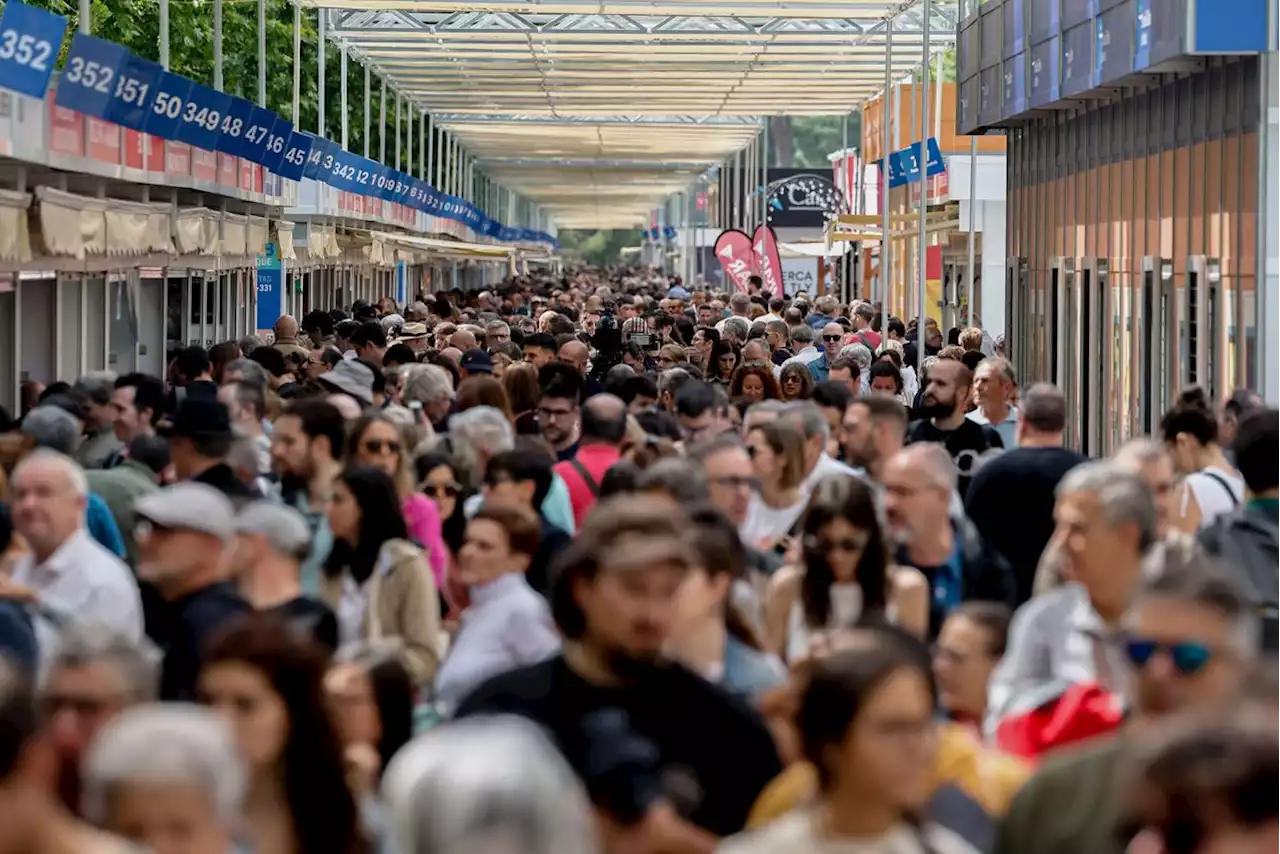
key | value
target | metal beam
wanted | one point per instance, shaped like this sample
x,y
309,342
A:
x,y
446,119
657,166
534,24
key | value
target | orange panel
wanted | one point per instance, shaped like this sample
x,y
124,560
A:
x,y
1166,204
1125,218
1249,205
1138,237
1230,204
1181,209
1214,198
1195,202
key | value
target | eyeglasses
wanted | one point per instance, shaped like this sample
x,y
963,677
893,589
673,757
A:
x,y
1188,657
447,490
851,545
84,707
832,337
733,481
379,446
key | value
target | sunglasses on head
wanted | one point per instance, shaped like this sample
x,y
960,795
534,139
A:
x,y
1188,657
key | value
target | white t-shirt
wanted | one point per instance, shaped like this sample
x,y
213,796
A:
x,y
1214,489
795,833
765,525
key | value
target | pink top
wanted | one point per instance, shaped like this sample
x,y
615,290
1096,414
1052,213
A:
x,y
422,518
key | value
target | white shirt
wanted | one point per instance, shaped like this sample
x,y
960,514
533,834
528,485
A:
x,y
85,582
827,466
1217,493
797,832
720,325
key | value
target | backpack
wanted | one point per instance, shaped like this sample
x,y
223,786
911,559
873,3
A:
x,y
1248,543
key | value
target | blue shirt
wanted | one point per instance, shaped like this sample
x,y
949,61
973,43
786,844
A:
x,y
102,525
556,507
321,543
948,583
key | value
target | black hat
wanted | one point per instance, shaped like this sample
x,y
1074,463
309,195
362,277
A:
x,y
476,361
197,417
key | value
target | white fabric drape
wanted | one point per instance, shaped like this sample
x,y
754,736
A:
x,y
15,231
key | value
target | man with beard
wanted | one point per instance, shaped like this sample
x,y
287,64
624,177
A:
x,y
943,420
558,409
874,429
306,447
662,751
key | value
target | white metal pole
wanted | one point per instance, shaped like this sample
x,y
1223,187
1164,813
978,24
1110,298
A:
x,y
217,44
429,174
320,52
164,34
367,114
262,53
382,123
973,212
297,64
398,100
921,293
880,289
342,90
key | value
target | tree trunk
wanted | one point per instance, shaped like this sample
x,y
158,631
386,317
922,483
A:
x,y
782,149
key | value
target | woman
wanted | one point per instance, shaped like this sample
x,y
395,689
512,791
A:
x,y
886,381
777,458
671,355
796,382
756,383
267,682
970,645
377,582
507,624
866,724
482,391
846,572
443,484
521,384
714,633
378,442
501,362
371,696
168,778
1211,487
909,382
722,362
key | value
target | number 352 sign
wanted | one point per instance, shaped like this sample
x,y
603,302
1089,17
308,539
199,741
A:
x,y
30,39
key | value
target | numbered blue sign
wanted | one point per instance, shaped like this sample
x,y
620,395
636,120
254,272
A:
x,y
277,140
201,121
168,105
315,160
253,139
134,92
270,287
936,165
294,162
30,39
235,122
89,79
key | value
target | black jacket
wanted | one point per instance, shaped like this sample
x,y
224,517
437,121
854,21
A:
x,y
985,574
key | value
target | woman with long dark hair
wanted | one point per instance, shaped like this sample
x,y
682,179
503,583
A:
x,y
1211,486
846,573
796,382
722,362
372,697
268,682
377,582
716,630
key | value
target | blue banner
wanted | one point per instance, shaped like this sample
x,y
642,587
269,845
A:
x,y
201,121
167,106
236,124
30,39
89,79
277,139
294,162
134,92
904,165
270,286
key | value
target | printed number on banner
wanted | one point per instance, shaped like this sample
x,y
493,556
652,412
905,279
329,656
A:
x,y
203,116
167,105
90,74
131,91
255,134
275,144
295,157
25,50
231,126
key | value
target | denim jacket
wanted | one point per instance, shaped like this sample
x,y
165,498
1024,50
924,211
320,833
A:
x,y
748,672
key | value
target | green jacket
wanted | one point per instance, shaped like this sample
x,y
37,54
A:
x,y
97,448
120,487
1068,807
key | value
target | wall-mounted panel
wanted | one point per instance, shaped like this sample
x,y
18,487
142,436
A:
x,y
1113,53
1043,84
1077,59
1014,86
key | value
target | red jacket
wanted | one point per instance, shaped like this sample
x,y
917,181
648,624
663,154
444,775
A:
x,y
596,459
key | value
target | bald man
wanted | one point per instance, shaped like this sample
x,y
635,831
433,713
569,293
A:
x,y
286,338
463,340
918,484
576,355
946,395
603,421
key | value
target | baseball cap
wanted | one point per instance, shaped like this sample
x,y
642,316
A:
x,y
477,361
189,506
284,527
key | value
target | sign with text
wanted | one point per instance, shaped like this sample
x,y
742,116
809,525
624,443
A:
x,y
737,258
89,79
200,123
30,39
270,287
134,92
768,262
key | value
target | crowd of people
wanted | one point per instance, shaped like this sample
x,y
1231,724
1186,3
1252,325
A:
x,y
608,564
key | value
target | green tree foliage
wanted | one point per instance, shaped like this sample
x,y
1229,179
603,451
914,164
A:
x,y
803,142
599,248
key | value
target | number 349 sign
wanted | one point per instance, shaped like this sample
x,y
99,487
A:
x,y
30,39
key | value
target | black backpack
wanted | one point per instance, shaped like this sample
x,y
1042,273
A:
x,y
1247,542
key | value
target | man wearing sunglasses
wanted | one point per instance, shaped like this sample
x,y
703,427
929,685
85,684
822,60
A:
x,y
1190,638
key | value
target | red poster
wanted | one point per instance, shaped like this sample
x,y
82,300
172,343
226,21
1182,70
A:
x,y
104,141
204,165
228,170
177,158
250,177
133,141
768,262
154,146
66,131
737,259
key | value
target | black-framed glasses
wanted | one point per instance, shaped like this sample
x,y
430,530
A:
x,y
832,337
734,481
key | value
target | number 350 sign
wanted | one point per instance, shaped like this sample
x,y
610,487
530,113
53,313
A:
x,y
30,39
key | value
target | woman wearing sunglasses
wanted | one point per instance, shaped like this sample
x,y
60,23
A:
x,y
377,442
846,572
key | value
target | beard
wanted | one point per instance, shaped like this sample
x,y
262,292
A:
x,y
934,408
633,667
291,483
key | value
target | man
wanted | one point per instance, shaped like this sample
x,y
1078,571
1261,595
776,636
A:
x,y
735,330
932,342
247,409
704,341
32,819
1105,522
576,355
184,538
539,349
610,702
814,427
120,486
1011,498
192,374
777,336
946,394
266,566
370,342
415,336
92,675
863,314
1150,460
776,306
995,388
825,310
846,373
475,363
200,438
139,403
708,316
739,307
832,399
1247,541
306,452
918,486
604,426
523,478
755,352
100,445
806,353
432,388
65,571
731,481
558,409
463,340
1191,637
699,409
496,333
286,338
352,378
875,429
